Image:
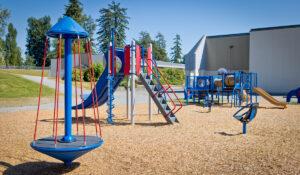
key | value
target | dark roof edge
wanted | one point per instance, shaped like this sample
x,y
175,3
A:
x,y
275,28
228,35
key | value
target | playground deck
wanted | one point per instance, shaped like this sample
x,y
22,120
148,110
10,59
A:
x,y
208,143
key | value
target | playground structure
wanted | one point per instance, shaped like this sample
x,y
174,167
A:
x,y
163,95
292,93
237,87
132,59
69,147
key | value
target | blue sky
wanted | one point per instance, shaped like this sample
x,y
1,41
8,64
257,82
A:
x,y
189,18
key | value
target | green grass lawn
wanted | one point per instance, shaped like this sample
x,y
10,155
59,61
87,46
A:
x,y
13,86
25,71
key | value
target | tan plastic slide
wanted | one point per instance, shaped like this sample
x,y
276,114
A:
x,y
268,97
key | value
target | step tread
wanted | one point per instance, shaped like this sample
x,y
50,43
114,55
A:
x,y
160,101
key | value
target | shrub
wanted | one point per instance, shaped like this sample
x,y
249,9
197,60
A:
x,y
77,75
98,69
173,76
124,82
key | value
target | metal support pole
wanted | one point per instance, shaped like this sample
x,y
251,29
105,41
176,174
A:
x,y
149,96
127,97
132,84
244,127
68,91
110,77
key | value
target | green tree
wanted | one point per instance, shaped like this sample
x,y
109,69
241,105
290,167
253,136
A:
x,y
29,61
13,52
159,47
35,45
2,51
90,26
144,39
176,54
114,16
75,10
4,15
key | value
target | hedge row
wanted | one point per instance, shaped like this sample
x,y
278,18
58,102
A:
x,y
173,76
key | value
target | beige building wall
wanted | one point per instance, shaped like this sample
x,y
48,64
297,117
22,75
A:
x,y
228,51
275,57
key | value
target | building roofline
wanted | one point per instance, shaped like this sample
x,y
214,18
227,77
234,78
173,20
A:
x,y
228,35
275,28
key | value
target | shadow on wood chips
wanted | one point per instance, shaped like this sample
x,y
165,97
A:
x,y
40,167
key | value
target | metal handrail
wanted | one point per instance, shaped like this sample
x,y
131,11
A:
x,y
169,86
155,75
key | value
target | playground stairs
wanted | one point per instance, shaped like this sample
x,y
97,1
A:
x,y
160,97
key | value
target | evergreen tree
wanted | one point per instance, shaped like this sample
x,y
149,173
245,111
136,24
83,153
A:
x,y
13,53
144,39
36,39
176,54
114,16
160,40
74,10
2,52
159,47
90,26
4,15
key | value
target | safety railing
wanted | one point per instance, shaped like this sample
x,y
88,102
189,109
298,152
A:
x,y
157,74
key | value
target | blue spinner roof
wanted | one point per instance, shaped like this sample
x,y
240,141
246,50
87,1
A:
x,y
68,28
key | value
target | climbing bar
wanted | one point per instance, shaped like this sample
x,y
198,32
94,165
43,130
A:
x,y
92,85
81,90
95,87
75,79
57,90
41,88
55,95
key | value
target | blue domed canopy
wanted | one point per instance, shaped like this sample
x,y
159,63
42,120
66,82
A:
x,y
68,28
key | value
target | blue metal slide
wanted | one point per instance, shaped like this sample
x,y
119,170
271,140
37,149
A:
x,y
102,84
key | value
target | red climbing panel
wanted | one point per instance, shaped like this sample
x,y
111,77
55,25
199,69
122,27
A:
x,y
138,59
127,60
149,60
